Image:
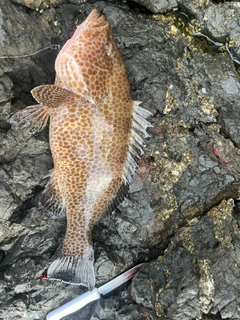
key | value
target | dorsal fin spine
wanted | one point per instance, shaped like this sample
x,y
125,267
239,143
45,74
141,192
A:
x,y
136,142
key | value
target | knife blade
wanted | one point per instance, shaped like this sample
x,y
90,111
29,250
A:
x,y
93,295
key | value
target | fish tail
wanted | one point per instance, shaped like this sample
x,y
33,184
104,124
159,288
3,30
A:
x,y
74,269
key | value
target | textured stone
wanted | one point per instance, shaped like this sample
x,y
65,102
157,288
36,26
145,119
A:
x,y
177,215
200,276
157,6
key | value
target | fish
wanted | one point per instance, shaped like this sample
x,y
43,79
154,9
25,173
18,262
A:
x,y
96,135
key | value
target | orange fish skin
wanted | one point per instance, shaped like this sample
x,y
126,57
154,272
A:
x,y
96,134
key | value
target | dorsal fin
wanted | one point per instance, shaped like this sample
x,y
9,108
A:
x,y
50,95
119,197
139,126
138,132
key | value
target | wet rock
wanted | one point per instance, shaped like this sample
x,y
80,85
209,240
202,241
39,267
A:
x,y
36,4
219,21
178,215
158,6
195,276
43,4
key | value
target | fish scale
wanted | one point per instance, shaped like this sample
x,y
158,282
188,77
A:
x,y
96,135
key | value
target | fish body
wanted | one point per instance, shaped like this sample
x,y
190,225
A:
x,y
96,132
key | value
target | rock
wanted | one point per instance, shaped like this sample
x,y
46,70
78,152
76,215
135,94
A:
x,y
179,214
43,4
38,4
219,21
158,6
197,272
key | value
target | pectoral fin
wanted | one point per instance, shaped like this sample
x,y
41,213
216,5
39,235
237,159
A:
x,y
32,118
50,95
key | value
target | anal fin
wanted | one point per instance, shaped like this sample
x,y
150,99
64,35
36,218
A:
x,y
33,118
50,95
51,201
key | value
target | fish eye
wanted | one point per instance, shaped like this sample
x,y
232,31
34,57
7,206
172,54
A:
x,y
108,48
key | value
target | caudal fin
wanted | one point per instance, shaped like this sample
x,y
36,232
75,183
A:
x,y
77,270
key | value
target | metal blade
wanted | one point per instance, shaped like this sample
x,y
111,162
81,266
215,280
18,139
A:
x,y
113,284
93,295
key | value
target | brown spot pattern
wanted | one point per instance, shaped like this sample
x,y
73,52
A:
x,y
89,132
96,135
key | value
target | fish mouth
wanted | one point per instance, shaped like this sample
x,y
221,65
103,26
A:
x,y
97,20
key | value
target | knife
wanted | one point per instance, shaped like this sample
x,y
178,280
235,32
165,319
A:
x,y
93,295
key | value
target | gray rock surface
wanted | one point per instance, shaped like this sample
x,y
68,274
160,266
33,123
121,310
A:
x,y
196,277
157,6
179,216
219,21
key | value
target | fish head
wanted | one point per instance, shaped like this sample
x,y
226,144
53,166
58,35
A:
x,y
85,64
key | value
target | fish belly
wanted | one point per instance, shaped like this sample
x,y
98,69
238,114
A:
x,y
94,148
89,146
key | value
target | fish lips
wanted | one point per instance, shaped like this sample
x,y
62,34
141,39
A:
x,y
95,19
92,26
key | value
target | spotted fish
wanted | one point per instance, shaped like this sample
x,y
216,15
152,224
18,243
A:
x,y
96,135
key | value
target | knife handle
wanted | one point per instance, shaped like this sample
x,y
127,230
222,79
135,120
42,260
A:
x,y
74,305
